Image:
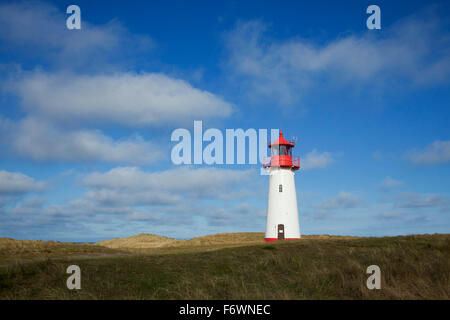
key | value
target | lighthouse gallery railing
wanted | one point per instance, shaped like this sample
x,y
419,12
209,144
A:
x,y
281,161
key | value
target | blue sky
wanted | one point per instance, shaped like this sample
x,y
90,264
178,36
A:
x,y
86,115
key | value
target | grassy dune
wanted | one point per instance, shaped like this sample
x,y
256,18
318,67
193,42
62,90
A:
x,y
19,251
149,243
321,267
140,241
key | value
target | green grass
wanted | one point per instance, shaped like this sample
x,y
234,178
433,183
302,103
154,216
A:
x,y
412,267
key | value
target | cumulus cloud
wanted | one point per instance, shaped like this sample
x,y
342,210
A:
x,y
344,200
389,183
40,141
328,206
38,28
437,152
125,195
389,215
61,103
411,52
315,159
28,207
417,201
173,196
17,183
416,208
405,217
132,185
242,215
123,98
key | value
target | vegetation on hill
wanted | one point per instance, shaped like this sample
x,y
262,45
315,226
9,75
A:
x,y
143,241
138,241
19,251
412,267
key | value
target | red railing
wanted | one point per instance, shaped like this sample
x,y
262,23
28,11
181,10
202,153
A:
x,y
281,161
296,162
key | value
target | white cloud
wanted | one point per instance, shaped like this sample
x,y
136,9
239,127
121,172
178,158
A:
x,y
436,153
328,206
124,98
28,207
17,183
125,195
388,215
41,141
241,215
344,200
389,183
61,104
416,201
411,52
315,159
38,28
166,186
168,196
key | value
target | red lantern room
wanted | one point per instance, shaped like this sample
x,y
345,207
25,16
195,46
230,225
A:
x,y
281,154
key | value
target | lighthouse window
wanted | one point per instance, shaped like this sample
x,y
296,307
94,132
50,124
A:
x,y
280,188
283,151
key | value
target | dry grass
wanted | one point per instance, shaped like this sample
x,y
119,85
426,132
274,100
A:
x,y
139,241
412,267
12,251
147,241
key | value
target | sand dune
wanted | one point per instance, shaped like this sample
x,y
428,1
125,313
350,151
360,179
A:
x,y
142,241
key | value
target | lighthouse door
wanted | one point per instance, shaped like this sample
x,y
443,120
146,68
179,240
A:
x,y
281,232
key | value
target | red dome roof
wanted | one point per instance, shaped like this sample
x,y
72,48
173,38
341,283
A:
x,y
282,141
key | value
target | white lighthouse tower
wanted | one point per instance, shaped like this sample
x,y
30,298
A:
x,y
282,212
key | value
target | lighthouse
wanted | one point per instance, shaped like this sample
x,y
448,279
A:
x,y
282,211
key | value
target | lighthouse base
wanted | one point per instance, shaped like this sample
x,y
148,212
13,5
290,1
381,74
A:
x,y
275,239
